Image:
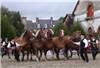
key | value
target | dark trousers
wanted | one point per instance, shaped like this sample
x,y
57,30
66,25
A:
x,y
83,54
94,52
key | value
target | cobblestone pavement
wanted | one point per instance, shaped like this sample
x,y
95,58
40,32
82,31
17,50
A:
x,y
74,62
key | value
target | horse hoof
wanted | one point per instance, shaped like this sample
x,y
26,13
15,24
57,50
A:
x,y
37,60
22,59
31,60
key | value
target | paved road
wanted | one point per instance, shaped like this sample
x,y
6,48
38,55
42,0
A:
x,y
74,62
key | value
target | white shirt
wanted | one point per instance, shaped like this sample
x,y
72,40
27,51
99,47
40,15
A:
x,y
9,44
93,40
4,43
86,43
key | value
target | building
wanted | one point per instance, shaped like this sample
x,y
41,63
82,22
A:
x,y
88,13
45,23
40,23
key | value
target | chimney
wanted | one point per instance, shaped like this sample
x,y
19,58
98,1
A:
x,y
24,20
37,19
51,18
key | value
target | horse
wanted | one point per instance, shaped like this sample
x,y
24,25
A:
x,y
23,41
66,43
34,45
73,46
37,48
25,47
75,37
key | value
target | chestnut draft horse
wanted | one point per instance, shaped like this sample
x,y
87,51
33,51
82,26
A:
x,y
73,46
34,45
25,47
24,40
57,43
71,39
66,43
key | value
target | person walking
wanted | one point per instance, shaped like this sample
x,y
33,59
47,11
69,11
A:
x,y
94,48
83,48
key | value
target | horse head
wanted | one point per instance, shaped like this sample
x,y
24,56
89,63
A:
x,y
27,35
75,36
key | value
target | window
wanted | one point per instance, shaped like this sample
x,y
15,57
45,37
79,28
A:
x,y
53,25
90,10
38,25
45,25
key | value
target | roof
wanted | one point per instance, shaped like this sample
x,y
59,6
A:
x,y
34,25
30,25
81,6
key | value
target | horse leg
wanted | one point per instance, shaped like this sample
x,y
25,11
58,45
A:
x,y
37,57
30,55
57,53
45,53
40,55
27,55
53,54
66,53
78,53
71,53
23,55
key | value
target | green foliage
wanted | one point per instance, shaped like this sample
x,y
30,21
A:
x,y
68,30
76,26
58,27
10,23
7,30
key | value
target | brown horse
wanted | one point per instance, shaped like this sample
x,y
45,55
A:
x,y
66,43
25,47
37,48
72,46
48,45
35,43
24,41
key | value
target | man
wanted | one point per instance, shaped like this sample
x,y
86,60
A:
x,y
12,44
83,48
93,44
12,49
4,47
5,43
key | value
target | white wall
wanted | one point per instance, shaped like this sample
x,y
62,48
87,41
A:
x,y
92,23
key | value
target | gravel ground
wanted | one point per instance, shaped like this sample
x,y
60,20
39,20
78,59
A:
x,y
74,62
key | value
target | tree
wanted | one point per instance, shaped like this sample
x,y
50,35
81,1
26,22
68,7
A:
x,y
10,23
59,26
7,30
68,30
76,26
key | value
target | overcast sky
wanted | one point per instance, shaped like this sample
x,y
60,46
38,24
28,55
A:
x,y
43,9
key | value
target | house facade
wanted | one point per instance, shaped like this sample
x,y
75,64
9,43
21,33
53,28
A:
x,y
88,13
40,23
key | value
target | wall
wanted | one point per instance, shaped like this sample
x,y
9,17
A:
x,y
91,23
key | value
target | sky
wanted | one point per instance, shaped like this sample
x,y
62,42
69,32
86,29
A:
x,y
43,9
